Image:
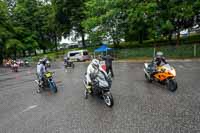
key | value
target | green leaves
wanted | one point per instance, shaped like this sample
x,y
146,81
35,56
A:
x,y
14,44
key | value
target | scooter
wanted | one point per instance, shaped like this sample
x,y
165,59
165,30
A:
x,y
101,84
69,64
164,74
48,82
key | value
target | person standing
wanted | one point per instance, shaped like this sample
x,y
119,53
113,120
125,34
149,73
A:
x,y
108,61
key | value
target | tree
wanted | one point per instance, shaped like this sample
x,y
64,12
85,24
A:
x,y
107,18
179,15
5,28
70,15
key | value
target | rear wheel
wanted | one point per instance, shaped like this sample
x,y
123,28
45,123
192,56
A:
x,y
172,85
108,99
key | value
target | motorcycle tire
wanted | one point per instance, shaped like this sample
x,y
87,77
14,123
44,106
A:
x,y
52,86
172,85
108,99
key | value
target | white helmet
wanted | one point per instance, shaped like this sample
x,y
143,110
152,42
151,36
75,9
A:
x,y
95,63
159,54
40,60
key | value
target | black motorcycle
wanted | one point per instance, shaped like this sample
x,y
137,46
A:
x,y
101,84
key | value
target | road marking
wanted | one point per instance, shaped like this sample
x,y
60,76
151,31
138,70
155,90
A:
x,y
29,108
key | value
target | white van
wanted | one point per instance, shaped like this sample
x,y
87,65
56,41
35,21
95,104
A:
x,y
79,55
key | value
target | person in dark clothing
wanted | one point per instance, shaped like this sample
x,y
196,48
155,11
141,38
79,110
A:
x,y
160,59
157,61
108,61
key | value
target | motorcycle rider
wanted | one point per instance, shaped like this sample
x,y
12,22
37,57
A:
x,y
66,60
41,69
157,61
92,71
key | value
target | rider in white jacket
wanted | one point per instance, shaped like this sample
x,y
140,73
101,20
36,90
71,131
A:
x,y
41,69
92,70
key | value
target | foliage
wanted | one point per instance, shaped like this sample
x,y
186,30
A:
x,y
27,25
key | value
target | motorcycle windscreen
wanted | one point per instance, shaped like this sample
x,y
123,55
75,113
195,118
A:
x,y
102,80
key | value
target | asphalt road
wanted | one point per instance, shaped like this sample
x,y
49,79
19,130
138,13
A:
x,y
140,107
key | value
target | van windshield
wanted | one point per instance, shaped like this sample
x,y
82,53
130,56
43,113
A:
x,y
73,54
85,53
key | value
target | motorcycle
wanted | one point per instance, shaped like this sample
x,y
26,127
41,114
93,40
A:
x,y
48,82
69,64
101,84
15,67
164,74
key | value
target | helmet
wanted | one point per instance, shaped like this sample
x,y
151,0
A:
x,y
95,63
159,54
45,59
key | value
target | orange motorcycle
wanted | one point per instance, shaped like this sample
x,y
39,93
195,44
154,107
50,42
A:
x,y
164,74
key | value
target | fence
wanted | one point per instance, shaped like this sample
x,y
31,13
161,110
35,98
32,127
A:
x,y
182,51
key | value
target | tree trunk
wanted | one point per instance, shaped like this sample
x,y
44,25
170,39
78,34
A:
x,y
140,37
29,52
24,53
170,37
83,38
44,51
35,53
55,41
178,39
15,52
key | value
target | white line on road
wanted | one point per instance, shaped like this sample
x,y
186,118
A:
x,y
29,108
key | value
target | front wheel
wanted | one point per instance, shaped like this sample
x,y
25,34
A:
x,y
53,86
172,85
108,99
86,94
147,78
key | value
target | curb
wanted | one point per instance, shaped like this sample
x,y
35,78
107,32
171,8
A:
x,y
149,60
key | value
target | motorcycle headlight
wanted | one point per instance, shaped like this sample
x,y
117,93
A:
x,y
173,72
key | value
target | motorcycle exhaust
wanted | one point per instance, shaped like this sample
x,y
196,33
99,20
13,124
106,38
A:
x,y
146,73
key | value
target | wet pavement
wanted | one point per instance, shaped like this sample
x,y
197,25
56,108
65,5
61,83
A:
x,y
139,106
